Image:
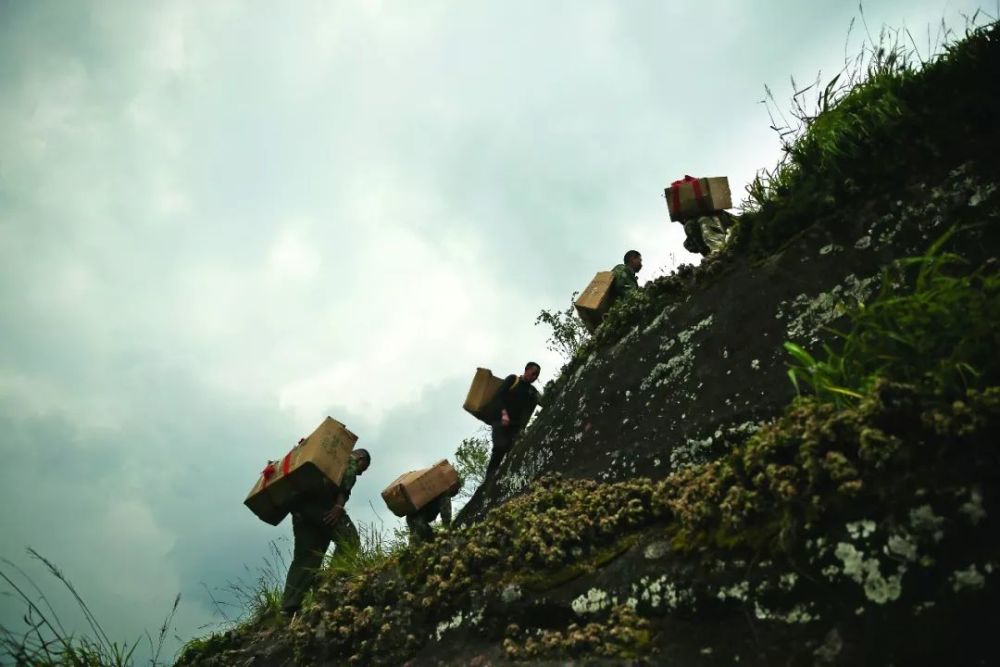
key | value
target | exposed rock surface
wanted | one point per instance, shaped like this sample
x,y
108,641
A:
x,y
711,367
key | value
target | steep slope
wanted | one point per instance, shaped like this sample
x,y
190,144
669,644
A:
x,y
699,357
674,504
710,367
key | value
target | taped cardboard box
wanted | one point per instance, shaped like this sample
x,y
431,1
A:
x,y
413,490
484,387
691,197
303,471
595,300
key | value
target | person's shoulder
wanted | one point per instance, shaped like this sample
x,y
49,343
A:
x,y
617,268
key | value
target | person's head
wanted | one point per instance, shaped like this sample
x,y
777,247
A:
x,y
633,260
531,371
456,487
363,458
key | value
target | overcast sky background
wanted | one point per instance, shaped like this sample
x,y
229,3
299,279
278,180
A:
x,y
222,221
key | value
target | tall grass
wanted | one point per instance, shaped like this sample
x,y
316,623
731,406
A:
x,y
253,600
864,95
379,544
256,594
939,332
900,109
885,115
43,640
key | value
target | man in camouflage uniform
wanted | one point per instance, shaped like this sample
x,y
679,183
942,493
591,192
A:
x,y
420,521
706,234
315,523
625,280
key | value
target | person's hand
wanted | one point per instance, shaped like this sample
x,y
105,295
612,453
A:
x,y
333,516
505,418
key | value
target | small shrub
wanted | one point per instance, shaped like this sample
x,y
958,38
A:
x,y
568,330
471,460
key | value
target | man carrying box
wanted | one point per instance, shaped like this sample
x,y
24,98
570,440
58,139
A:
x,y
700,203
509,412
317,521
624,274
420,521
606,288
707,234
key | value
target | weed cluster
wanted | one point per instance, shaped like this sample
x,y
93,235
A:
x,y
45,642
941,333
892,110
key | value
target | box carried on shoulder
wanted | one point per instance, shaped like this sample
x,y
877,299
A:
x,y
413,490
690,197
595,300
304,471
484,387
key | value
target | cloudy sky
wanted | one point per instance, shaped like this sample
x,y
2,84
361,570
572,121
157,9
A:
x,y
222,221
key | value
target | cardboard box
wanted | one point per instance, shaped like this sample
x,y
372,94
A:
x,y
594,301
303,471
484,388
413,490
692,197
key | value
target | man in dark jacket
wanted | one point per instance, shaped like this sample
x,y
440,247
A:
x,y
420,521
315,523
510,411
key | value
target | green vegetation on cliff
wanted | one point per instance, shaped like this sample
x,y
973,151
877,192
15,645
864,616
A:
x,y
880,128
912,458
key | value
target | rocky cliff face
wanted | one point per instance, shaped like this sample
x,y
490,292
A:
x,y
674,503
710,367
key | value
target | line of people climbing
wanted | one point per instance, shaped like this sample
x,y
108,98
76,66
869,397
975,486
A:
x,y
320,518
317,504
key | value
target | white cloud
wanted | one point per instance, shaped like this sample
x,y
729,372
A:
x,y
293,258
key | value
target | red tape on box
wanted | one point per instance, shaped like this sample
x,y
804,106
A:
x,y
676,193
269,469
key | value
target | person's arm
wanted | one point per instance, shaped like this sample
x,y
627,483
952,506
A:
x,y
333,515
446,512
343,495
503,394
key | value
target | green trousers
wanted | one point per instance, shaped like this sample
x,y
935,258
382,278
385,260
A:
x,y
420,529
707,234
312,539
